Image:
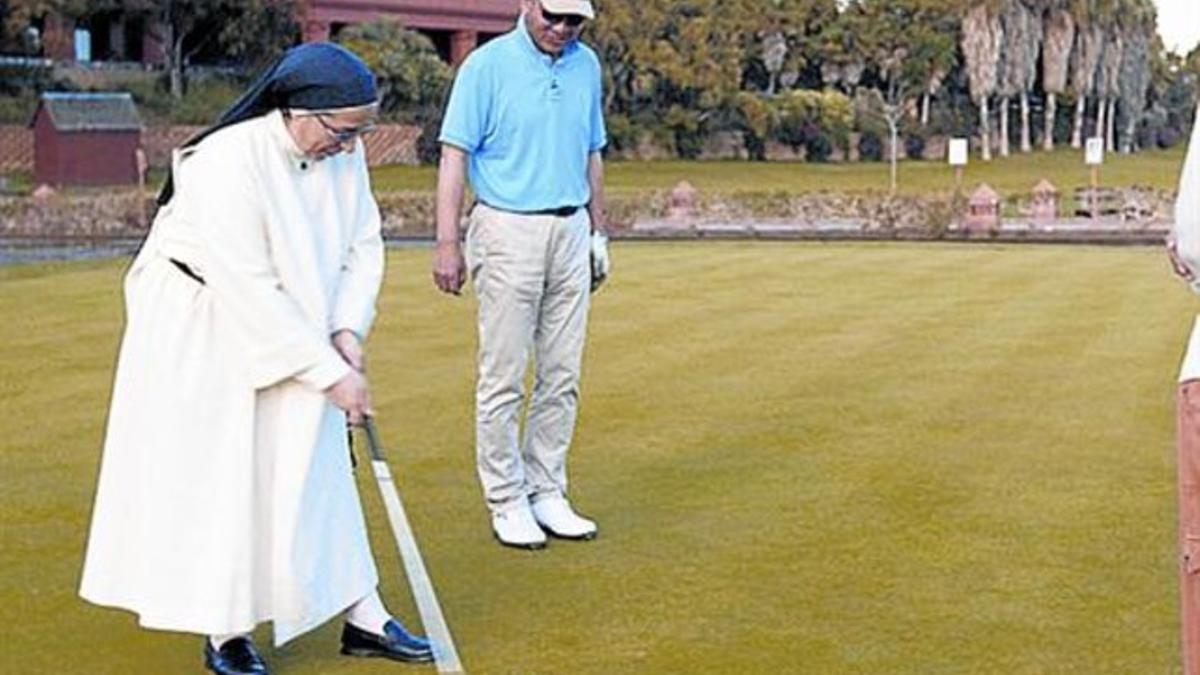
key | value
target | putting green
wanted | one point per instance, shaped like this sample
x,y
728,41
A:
x,y
804,458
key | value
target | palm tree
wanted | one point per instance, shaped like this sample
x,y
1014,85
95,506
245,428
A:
x,y
981,38
1138,27
1108,84
1085,62
1059,30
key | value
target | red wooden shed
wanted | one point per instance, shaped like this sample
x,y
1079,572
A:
x,y
86,139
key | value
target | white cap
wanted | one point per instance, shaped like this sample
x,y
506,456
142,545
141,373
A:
x,y
580,7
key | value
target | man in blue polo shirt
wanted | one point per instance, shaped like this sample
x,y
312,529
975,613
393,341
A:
x,y
525,119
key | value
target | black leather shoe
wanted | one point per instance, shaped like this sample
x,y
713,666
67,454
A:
x,y
396,644
236,657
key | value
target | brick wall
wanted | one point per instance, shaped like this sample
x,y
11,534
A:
x,y
393,144
16,148
159,141
390,144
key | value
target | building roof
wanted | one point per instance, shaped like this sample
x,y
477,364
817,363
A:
x,y
489,16
71,111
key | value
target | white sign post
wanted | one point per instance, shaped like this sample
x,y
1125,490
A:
x,y
1094,157
958,156
1094,152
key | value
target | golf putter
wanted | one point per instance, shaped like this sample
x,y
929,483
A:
x,y
444,655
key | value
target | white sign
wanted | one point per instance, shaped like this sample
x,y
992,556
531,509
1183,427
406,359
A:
x,y
958,152
1095,152
83,45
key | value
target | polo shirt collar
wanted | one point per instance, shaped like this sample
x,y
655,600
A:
x,y
531,47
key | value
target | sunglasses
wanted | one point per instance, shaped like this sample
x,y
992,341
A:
x,y
571,20
344,135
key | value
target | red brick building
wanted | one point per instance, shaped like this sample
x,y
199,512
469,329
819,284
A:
x,y
455,26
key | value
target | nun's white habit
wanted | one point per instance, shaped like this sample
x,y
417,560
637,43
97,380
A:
x,y
226,496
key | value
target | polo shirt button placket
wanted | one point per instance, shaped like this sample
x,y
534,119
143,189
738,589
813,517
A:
x,y
555,89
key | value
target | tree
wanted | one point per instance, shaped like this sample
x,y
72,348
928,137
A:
x,y
411,76
1059,31
843,54
1108,85
680,63
1138,30
1018,67
981,38
253,28
20,15
1085,67
933,53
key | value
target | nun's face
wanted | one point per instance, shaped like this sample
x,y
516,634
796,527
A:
x,y
325,134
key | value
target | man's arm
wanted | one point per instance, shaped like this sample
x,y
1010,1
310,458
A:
x,y
449,269
601,265
596,183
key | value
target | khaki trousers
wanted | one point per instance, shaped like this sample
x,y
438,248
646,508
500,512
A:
x,y
532,277
1189,523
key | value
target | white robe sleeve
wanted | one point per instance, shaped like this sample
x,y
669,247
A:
x,y
1186,231
280,342
362,271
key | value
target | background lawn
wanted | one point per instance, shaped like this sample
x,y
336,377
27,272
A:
x,y
1014,175
804,458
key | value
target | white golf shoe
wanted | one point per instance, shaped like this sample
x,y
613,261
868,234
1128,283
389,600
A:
x,y
557,518
516,527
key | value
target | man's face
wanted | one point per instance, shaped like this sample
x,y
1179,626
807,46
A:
x,y
551,32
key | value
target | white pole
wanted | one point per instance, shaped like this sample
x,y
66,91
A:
x,y
444,654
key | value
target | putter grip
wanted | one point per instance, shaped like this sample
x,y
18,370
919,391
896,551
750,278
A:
x,y
373,438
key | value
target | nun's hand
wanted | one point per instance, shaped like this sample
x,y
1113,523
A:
x,y
347,344
449,268
353,395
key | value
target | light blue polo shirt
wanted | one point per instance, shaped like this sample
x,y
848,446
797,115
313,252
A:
x,y
529,122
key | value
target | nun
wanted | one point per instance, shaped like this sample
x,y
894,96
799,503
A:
x,y
226,497
1184,248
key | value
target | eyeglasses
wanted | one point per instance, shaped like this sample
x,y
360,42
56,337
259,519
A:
x,y
571,20
344,135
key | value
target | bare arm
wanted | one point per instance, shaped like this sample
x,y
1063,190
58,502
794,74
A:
x,y
596,182
449,269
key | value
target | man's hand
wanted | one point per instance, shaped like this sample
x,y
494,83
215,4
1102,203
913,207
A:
x,y
1181,269
601,264
449,268
347,344
353,395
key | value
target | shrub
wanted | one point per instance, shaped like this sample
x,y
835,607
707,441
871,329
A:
x,y
914,146
870,147
817,146
1168,137
622,133
684,128
429,150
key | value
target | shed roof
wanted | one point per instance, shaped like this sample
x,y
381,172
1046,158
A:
x,y
71,111
1044,187
984,194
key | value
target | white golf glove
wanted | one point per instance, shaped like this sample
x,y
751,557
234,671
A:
x,y
601,265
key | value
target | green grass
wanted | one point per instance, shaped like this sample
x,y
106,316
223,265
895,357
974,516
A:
x,y
1014,175
808,458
